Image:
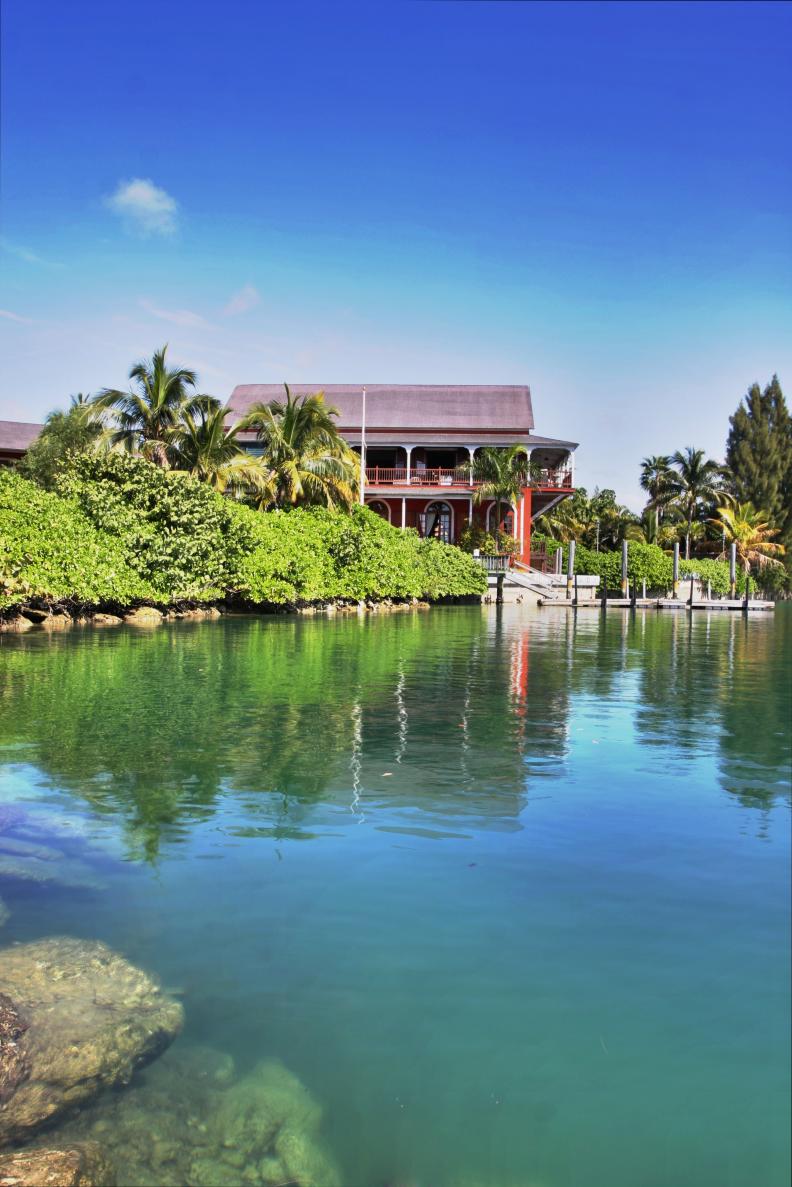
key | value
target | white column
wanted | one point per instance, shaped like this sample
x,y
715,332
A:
x,y
363,451
408,450
404,513
471,450
470,511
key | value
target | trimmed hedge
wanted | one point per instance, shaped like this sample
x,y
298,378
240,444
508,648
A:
x,y
119,531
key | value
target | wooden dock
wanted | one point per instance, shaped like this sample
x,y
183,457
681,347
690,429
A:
x,y
656,604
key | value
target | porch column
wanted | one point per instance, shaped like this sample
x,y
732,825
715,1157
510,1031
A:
x,y
572,467
525,556
470,511
471,450
408,451
404,512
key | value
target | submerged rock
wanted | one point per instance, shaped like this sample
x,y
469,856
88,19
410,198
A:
x,y
92,1019
28,867
57,622
15,625
5,914
84,1165
14,1062
189,1119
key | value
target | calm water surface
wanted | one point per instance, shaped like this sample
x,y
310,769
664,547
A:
x,y
508,890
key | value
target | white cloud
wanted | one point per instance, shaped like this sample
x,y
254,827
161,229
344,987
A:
x,y
24,253
15,317
247,298
144,207
177,317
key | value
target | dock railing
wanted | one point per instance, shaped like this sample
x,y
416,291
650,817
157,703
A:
x,y
494,564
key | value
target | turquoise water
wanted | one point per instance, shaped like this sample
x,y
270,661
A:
x,y
508,890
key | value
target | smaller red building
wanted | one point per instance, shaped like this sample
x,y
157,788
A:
x,y
417,441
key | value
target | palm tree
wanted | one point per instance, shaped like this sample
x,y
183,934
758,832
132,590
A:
x,y
659,481
502,475
697,482
147,419
750,530
567,521
306,458
207,448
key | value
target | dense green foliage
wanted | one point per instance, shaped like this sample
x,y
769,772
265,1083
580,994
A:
x,y
64,433
49,548
121,530
315,554
759,455
177,533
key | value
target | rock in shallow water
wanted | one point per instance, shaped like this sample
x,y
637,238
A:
x,y
83,1165
144,616
14,1064
92,1018
189,1119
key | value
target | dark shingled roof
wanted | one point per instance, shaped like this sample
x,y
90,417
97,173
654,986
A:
x,y
407,406
16,435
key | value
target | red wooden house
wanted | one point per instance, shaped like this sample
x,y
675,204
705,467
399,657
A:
x,y
418,440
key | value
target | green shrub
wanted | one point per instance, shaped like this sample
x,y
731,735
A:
x,y
177,533
313,554
171,538
448,572
50,550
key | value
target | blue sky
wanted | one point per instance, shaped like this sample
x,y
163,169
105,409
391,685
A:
x,y
590,198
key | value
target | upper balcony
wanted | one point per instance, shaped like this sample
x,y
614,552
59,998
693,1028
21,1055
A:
x,y
444,466
557,478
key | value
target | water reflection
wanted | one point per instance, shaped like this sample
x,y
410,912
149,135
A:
x,y
453,713
538,933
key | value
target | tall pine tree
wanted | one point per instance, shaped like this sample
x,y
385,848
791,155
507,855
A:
x,y
759,455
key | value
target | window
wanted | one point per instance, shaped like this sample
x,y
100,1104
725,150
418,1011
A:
x,y
435,522
507,519
379,508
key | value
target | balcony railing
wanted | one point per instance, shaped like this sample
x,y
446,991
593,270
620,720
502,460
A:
x,y
438,476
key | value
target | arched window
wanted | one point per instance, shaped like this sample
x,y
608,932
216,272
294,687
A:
x,y
508,519
437,521
379,508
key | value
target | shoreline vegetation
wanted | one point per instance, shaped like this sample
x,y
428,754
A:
x,y
121,537
143,505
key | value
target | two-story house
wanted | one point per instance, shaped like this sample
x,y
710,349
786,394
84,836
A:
x,y
417,442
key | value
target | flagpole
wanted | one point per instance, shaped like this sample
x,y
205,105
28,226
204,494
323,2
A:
x,y
363,452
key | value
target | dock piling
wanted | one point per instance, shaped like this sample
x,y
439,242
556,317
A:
x,y
675,588
570,569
